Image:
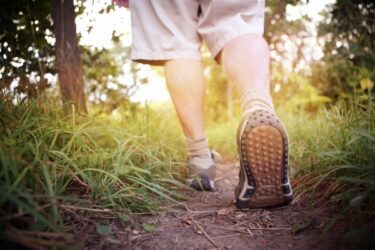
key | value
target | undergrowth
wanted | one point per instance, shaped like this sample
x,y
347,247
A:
x,y
51,164
332,156
334,146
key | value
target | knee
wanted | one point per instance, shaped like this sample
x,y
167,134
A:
x,y
246,47
183,73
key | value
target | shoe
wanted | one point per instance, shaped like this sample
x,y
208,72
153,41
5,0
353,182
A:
x,y
202,179
262,143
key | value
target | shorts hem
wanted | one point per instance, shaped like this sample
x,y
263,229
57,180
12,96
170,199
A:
x,y
149,57
220,44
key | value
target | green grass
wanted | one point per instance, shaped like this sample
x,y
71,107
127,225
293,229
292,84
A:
x,y
48,162
332,146
332,150
222,138
332,156
335,146
133,162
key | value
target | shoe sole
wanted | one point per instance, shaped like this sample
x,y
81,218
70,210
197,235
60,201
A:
x,y
265,154
262,151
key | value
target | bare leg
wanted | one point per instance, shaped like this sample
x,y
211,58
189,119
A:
x,y
187,88
262,139
246,60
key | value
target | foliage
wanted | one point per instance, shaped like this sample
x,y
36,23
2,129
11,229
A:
x,y
294,91
349,33
26,54
222,137
336,143
48,162
333,155
279,31
106,90
27,57
221,102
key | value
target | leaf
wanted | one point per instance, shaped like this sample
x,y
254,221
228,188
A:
x,y
104,229
124,217
148,227
366,83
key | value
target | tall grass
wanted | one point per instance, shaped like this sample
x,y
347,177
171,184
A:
x,y
48,162
332,156
335,146
222,138
332,150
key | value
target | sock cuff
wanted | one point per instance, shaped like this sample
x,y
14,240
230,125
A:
x,y
252,98
198,147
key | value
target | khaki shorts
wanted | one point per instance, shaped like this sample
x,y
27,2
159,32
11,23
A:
x,y
174,29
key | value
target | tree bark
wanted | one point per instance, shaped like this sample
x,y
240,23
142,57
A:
x,y
68,63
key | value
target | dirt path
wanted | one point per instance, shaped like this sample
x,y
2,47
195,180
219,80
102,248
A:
x,y
210,220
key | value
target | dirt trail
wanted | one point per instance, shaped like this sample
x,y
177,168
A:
x,y
211,221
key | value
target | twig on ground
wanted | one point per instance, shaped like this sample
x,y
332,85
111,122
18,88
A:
x,y
201,228
252,228
203,215
229,235
204,232
87,209
251,234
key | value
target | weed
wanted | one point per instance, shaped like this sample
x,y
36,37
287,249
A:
x,y
49,163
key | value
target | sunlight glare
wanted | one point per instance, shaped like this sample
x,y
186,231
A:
x,y
100,36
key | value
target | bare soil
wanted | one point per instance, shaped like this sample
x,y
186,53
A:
x,y
211,221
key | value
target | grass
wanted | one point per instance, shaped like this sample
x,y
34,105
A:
x,y
222,138
333,146
332,156
49,163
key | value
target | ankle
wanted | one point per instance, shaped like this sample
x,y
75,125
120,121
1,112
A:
x,y
198,148
253,100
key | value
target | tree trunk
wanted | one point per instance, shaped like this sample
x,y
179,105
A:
x,y
67,56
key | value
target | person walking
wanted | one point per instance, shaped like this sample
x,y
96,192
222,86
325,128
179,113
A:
x,y
170,33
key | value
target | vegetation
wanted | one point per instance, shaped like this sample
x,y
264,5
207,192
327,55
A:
x,y
126,158
333,155
49,163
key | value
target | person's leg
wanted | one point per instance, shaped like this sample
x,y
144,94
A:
x,y
262,139
187,88
163,19
246,61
